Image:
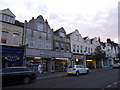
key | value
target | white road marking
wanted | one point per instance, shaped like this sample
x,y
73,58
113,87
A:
x,y
115,83
108,86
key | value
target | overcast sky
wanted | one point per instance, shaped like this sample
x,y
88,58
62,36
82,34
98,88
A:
x,y
93,18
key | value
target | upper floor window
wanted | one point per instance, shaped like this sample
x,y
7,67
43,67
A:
x,y
85,49
81,49
47,44
77,48
40,43
40,26
67,47
88,50
6,18
4,37
73,48
31,43
56,45
16,38
77,37
29,32
91,50
62,46
0,17
62,34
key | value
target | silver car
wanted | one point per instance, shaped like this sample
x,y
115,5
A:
x,y
116,66
77,69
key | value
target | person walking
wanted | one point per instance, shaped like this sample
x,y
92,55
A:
x,y
39,68
39,71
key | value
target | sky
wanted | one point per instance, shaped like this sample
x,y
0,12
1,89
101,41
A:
x,y
93,18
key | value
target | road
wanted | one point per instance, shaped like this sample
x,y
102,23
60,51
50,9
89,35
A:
x,y
102,79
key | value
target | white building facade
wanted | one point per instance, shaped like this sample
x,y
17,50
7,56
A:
x,y
111,49
83,49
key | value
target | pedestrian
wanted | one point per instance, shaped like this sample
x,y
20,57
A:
x,y
39,68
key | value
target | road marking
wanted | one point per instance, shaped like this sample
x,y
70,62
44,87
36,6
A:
x,y
115,83
108,86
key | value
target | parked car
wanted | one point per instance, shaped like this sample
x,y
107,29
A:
x,y
12,75
77,69
115,66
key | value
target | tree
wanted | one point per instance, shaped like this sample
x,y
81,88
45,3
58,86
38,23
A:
x,y
98,56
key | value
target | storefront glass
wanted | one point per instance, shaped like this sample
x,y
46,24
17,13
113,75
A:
x,y
61,64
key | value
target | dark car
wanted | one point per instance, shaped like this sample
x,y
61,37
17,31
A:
x,y
17,74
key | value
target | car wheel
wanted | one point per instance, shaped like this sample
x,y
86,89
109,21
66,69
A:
x,y
26,80
87,71
68,74
77,73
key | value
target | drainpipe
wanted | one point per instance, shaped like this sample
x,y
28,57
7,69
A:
x,y
24,42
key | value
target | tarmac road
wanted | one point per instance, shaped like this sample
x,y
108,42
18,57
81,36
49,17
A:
x,y
103,79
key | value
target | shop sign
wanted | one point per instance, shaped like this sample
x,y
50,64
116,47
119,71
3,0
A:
x,y
12,58
89,60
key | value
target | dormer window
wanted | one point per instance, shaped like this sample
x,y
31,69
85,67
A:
x,y
6,18
62,34
77,37
40,26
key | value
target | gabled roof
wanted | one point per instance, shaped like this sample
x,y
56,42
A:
x,y
85,38
60,29
8,12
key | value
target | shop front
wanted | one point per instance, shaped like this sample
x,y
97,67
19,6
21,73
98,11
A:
x,y
50,61
78,59
90,63
34,62
11,56
61,64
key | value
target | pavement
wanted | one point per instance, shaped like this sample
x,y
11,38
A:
x,y
60,74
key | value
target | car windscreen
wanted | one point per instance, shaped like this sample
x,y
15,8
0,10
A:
x,y
71,67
